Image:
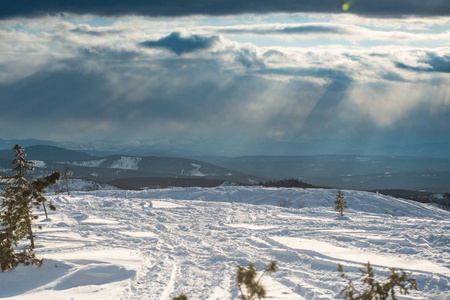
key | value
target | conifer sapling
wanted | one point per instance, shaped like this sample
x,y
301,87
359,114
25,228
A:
x,y
249,284
16,216
340,203
374,289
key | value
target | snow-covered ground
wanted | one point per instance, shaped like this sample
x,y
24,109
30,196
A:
x,y
79,185
87,163
126,162
196,170
39,164
156,244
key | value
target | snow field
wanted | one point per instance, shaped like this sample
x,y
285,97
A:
x,y
126,162
156,244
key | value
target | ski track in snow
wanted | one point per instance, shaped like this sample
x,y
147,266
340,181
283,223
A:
x,y
156,244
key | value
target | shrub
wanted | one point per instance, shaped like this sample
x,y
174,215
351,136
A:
x,y
248,284
375,290
181,296
284,202
300,204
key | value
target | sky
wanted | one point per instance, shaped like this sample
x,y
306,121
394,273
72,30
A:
x,y
228,77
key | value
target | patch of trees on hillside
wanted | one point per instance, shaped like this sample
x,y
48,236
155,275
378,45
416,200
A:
x,y
287,183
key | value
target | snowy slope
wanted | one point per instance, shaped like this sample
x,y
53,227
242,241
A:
x,y
79,185
156,244
126,162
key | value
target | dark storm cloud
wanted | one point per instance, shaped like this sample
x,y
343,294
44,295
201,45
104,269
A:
x,y
140,97
54,95
179,45
436,63
130,97
392,76
108,54
302,29
29,8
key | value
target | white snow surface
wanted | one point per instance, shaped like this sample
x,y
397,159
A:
x,y
156,244
39,164
87,163
126,162
80,185
196,170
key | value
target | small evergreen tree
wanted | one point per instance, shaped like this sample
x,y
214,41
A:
x,y
39,188
376,290
14,226
340,203
249,286
16,216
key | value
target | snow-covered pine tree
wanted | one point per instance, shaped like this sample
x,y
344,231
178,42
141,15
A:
x,y
16,216
14,225
340,203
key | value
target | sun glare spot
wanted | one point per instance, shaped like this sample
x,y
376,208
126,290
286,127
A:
x,y
345,6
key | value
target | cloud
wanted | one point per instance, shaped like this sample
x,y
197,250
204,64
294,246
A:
x,y
337,33
304,72
86,29
180,45
393,106
61,83
431,62
17,8
285,29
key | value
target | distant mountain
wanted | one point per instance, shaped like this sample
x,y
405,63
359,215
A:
x,y
360,172
9,144
197,149
47,152
149,164
119,167
155,182
50,153
106,169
